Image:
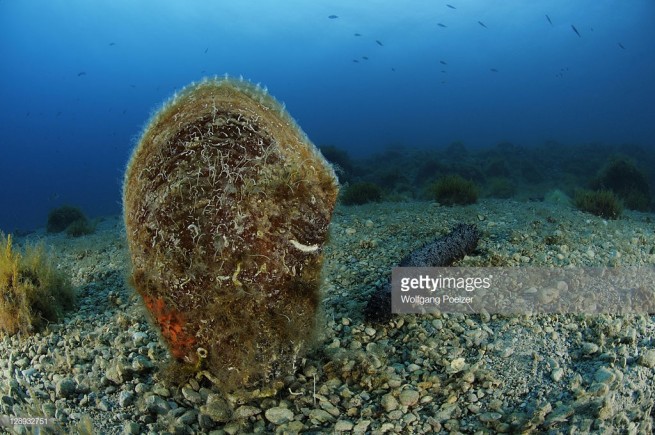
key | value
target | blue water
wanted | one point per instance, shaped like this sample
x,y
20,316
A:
x,y
79,78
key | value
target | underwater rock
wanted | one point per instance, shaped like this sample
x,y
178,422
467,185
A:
x,y
227,205
444,251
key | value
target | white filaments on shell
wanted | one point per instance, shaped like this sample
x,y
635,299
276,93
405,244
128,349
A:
x,y
304,248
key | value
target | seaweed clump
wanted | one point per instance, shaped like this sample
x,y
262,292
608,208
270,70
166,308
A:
x,y
603,203
32,292
454,190
361,193
69,218
622,177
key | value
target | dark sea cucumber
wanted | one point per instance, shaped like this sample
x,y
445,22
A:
x,y
442,252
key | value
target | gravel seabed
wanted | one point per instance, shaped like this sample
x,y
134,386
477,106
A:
x,y
98,371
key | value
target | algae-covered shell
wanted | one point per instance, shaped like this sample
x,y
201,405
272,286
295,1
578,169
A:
x,y
227,205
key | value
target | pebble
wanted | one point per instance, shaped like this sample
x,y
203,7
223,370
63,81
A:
x,y
361,426
589,348
604,375
246,411
125,398
488,417
103,405
457,365
191,395
557,374
188,417
140,338
647,359
156,405
218,411
65,388
389,403
408,397
343,426
278,415
131,428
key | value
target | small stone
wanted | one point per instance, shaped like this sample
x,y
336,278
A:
x,y
589,348
408,397
604,375
118,373
599,389
139,338
389,403
103,405
65,388
647,359
361,426
557,374
457,365
369,331
125,398
350,231
343,426
246,411
49,409
131,428
141,388
413,367
156,405
188,417
329,407
160,390
218,411
141,364
488,417
278,415
320,415
191,395
368,223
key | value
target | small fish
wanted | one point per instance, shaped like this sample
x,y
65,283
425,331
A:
x,y
206,49
59,113
444,71
493,70
576,31
358,34
379,43
621,45
333,17
451,6
393,69
441,25
549,20
111,44
443,62
365,57
81,73
355,60
482,24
